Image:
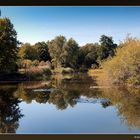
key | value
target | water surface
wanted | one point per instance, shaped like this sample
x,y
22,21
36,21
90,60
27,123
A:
x,y
68,104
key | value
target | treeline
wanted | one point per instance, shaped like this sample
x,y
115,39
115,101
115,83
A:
x,y
120,63
61,52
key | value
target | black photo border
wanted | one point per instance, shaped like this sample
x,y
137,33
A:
x,y
69,3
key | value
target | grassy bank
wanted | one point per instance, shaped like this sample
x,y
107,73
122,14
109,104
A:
x,y
36,73
95,72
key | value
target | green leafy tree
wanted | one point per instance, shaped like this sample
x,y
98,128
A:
x,y
42,51
27,51
107,47
91,58
88,55
55,50
70,54
124,67
8,46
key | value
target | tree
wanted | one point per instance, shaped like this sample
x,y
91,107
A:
x,y
55,50
42,51
27,51
88,55
107,47
124,67
8,46
91,58
69,55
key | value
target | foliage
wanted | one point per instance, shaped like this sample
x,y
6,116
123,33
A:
x,y
42,51
26,63
47,71
35,63
42,63
8,46
83,69
125,66
55,49
88,55
26,51
36,73
107,47
69,54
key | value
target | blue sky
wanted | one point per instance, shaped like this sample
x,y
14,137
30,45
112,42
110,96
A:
x,y
84,24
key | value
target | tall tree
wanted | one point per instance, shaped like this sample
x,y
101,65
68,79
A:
x,y
8,46
107,47
42,51
70,54
55,49
27,51
88,55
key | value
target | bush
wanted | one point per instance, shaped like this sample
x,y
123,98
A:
x,y
83,69
42,63
124,68
47,71
48,63
26,63
35,73
35,63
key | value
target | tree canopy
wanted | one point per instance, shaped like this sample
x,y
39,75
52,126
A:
x,y
61,52
8,46
42,51
107,47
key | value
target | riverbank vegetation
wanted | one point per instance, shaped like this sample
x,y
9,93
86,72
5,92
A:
x,y
113,63
124,67
63,53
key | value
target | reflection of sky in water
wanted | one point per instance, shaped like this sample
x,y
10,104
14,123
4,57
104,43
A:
x,y
83,118
72,107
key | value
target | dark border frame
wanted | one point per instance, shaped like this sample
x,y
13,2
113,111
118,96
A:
x,y
69,3
70,137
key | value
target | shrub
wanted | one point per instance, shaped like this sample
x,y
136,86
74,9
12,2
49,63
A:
x,y
42,63
48,63
124,68
47,71
26,63
83,69
35,63
34,73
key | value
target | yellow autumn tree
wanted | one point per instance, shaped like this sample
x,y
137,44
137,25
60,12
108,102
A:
x,y
124,67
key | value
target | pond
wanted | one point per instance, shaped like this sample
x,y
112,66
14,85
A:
x,y
68,104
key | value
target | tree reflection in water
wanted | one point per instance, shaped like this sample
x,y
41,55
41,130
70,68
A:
x,y
64,92
9,111
127,101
